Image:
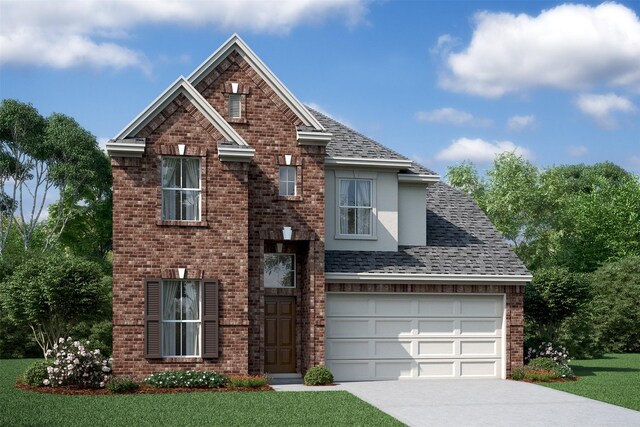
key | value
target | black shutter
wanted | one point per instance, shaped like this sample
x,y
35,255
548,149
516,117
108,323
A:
x,y
210,320
152,321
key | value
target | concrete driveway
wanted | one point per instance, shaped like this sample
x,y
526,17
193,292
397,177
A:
x,y
487,403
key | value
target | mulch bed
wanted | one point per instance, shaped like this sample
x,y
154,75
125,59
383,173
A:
x,y
557,380
143,389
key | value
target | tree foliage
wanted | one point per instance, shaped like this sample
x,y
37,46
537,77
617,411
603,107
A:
x,y
52,292
37,156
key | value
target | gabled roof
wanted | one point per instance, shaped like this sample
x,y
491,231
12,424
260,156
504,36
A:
x,y
237,44
181,86
461,243
347,143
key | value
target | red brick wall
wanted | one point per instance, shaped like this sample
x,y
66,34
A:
x,y
145,248
514,307
268,125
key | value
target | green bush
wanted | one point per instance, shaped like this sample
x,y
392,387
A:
x,y
543,363
318,375
122,385
188,379
249,381
517,374
536,374
37,373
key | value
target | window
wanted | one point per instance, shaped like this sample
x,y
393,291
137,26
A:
x,y
279,271
180,318
287,181
235,106
181,188
355,204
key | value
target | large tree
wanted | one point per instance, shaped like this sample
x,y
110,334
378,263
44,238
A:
x,y
39,157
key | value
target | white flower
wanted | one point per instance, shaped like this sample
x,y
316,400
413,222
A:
x,y
70,367
77,361
105,369
102,384
61,340
55,346
49,369
45,382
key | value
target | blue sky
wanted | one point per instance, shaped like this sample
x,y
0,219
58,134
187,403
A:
x,y
440,82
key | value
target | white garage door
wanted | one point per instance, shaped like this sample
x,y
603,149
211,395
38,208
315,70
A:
x,y
383,336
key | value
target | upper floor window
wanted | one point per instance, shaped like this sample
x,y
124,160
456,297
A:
x,y
181,188
235,106
355,205
287,181
279,271
180,318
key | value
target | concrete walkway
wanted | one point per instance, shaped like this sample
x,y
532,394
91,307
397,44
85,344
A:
x,y
481,403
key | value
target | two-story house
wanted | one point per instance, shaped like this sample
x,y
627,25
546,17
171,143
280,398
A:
x,y
253,234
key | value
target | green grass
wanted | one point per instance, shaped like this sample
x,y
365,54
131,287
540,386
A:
x,y
613,379
326,408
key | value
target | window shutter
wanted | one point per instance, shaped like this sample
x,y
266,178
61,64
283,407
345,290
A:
x,y
152,323
234,106
210,320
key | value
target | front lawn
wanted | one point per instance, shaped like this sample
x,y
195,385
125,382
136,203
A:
x,y
330,408
613,379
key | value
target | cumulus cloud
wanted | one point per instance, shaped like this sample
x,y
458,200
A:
x,y
577,150
69,33
479,151
603,107
520,123
452,116
568,47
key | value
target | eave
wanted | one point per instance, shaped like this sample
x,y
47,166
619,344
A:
x,y
228,153
373,163
418,178
313,138
515,279
130,147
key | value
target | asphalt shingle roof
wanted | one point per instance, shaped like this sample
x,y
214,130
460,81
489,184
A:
x,y
347,142
460,240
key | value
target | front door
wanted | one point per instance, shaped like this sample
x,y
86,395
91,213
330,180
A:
x,y
280,335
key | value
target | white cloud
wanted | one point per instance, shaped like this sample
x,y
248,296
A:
x,y
577,150
451,116
70,33
520,123
602,107
479,151
568,47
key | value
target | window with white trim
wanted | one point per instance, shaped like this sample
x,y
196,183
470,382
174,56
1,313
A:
x,y
279,270
181,318
355,207
235,105
181,188
287,181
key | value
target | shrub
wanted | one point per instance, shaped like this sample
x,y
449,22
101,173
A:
x,y
188,379
543,363
557,353
122,385
73,365
517,374
535,374
249,381
318,375
37,373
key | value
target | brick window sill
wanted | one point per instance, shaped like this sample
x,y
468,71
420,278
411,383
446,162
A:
x,y
180,359
174,223
241,121
290,198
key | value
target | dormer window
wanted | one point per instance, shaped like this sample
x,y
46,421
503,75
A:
x,y
235,106
355,207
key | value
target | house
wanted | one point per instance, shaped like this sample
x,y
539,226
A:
x,y
253,234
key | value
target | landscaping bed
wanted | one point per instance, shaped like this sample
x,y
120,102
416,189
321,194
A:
x,y
142,389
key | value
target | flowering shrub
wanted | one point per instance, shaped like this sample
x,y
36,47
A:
x,y
74,365
558,353
248,381
189,379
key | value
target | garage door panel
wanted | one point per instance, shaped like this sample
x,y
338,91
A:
x,y
436,348
436,327
436,369
385,336
480,327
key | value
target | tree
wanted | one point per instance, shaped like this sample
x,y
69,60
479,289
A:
x,y
616,304
52,292
38,156
465,178
554,295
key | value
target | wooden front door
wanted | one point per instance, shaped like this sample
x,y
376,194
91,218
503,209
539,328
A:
x,y
280,335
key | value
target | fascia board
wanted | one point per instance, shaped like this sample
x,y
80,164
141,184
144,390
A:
x,y
424,278
234,154
361,162
313,138
235,42
421,178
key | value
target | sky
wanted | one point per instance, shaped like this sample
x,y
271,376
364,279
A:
x,y
441,82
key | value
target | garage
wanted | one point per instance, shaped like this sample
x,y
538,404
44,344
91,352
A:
x,y
396,336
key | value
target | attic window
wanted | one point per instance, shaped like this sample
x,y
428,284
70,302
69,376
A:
x,y
235,106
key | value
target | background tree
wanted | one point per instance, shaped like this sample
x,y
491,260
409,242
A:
x,y
53,292
38,156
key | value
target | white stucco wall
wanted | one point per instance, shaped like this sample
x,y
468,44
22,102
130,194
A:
x,y
412,214
385,212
